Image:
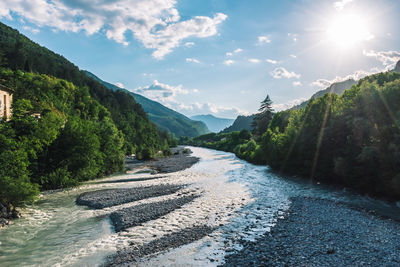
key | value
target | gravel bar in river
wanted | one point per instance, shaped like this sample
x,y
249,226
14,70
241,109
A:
x,y
177,162
319,232
174,240
136,215
111,197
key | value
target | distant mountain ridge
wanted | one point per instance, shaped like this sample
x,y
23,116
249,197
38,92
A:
x,y
165,118
241,123
213,123
397,68
337,88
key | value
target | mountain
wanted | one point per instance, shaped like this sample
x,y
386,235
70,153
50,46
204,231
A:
x,y
165,118
337,88
397,68
65,127
19,53
213,123
241,122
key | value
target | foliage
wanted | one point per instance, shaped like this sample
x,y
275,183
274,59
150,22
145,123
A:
x,y
75,139
20,53
166,119
351,140
262,119
241,123
241,143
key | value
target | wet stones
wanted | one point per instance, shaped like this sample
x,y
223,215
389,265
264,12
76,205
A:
x,y
133,216
111,197
319,232
174,240
177,162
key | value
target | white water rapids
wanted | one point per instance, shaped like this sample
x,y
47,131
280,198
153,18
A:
x,y
242,200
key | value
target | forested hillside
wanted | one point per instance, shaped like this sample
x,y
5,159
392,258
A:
x,y
241,123
165,118
81,130
351,140
19,53
335,88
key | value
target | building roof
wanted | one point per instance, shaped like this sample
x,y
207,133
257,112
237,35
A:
x,y
5,88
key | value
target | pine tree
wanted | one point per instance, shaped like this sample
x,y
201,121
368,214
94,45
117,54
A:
x,y
262,119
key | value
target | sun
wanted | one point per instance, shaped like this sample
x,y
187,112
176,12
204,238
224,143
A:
x,y
348,30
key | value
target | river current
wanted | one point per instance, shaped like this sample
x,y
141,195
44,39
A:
x,y
241,200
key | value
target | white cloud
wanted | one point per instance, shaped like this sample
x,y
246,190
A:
x,y
357,75
293,56
229,62
263,40
293,36
271,61
189,44
120,85
281,72
237,50
288,105
323,83
254,60
192,60
33,30
161,92
388,58
155,23
297,83
210,108
168,94
339,5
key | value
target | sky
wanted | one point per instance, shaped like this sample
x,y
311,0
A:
x,y
219,57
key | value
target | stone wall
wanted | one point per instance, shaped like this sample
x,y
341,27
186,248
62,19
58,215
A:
x,y
5,104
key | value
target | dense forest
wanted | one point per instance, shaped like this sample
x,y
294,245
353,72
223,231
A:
x,y
20,53
81,129
240,123
351,140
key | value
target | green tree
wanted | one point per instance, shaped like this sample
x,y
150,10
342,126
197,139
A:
x,y
262,119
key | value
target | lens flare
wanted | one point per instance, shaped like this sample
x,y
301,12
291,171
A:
x,y
348,30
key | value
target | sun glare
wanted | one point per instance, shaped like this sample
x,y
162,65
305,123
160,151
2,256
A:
x,y
348,30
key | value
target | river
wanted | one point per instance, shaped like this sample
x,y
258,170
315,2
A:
x,y
241,200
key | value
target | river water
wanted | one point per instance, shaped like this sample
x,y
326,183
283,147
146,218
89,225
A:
x,y
241,200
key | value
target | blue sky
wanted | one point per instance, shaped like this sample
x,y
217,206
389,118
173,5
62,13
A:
x,y
216,56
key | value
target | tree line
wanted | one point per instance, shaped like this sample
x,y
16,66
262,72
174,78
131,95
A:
x,y
84,129
351,140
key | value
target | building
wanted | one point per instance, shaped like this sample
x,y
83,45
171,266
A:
x,y
5,102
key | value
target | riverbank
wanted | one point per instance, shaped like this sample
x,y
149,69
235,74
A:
x,y
7,214
319,232
178,161
136,215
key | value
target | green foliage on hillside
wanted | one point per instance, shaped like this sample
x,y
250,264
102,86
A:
x,y
73,140
84,129
241,123
19,53
165,118
351,140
